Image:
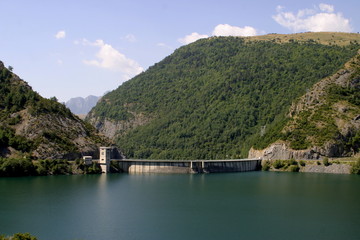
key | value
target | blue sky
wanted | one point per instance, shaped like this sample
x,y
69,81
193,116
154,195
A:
x,y
85,47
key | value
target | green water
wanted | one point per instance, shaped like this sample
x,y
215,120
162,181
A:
x,y
252,205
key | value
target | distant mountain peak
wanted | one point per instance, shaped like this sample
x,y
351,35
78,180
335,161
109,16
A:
x,y
80,105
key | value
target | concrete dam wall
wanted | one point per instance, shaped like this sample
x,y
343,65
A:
x,y
189,166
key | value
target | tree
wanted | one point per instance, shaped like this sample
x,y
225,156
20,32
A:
x,y
54,99
10,68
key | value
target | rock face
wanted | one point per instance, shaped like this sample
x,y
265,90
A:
x,y
341,116
111,128
81,105
281,150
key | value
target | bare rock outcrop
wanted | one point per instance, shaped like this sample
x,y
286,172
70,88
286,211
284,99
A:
x,y
281,150
112,128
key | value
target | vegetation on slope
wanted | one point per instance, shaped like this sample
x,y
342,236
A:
x,y
33,126
326,38
333,117
214,98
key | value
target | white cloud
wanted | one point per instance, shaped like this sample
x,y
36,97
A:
x,y
228,30
326,7
110,58
192,38
163,45
60,34
313,20
221,30
130,38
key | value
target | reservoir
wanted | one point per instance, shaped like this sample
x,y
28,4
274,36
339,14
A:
x,y
249,205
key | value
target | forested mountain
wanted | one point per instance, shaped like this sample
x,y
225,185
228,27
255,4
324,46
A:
x,y
325,121
217,97
35,127
81,105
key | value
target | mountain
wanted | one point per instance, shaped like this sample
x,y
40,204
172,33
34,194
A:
x,y
323,122
218,97
81,105
40,128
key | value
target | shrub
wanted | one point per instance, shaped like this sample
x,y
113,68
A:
x,y
16,168
23,236
318,163
277,164
302,163
294,168
288,163
93,169
326,161
355,169
266,166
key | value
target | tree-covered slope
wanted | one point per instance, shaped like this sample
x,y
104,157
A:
x,y
214,98
36,127
323,122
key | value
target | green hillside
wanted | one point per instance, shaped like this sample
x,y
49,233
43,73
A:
x,y
35,127
215,98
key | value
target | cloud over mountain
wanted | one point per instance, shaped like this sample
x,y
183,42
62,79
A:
x,y
228,30
192,38
319,19
221,30
110,58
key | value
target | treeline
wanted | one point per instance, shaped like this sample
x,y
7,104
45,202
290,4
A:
x,y
17,95
217,97
10,167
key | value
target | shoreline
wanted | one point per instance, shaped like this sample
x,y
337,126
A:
x,y
313,166
25,167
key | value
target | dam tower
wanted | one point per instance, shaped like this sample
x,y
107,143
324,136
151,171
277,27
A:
x,y
104,161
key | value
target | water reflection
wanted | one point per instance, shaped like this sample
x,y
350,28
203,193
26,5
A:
x,y
248,205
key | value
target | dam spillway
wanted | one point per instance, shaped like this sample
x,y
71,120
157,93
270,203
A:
x,y
188,166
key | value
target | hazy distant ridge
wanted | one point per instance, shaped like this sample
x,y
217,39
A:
x,y
80,105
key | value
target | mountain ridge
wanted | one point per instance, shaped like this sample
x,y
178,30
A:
x,y
210,99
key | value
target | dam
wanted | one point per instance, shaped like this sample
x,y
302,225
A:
x,y
174,166
188,166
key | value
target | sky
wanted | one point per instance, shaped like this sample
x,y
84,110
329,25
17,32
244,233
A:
x,y
78,48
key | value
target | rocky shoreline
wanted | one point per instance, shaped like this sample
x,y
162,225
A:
x,y
334,168
312,166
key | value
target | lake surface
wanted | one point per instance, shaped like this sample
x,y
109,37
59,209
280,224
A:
x,y
251,205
